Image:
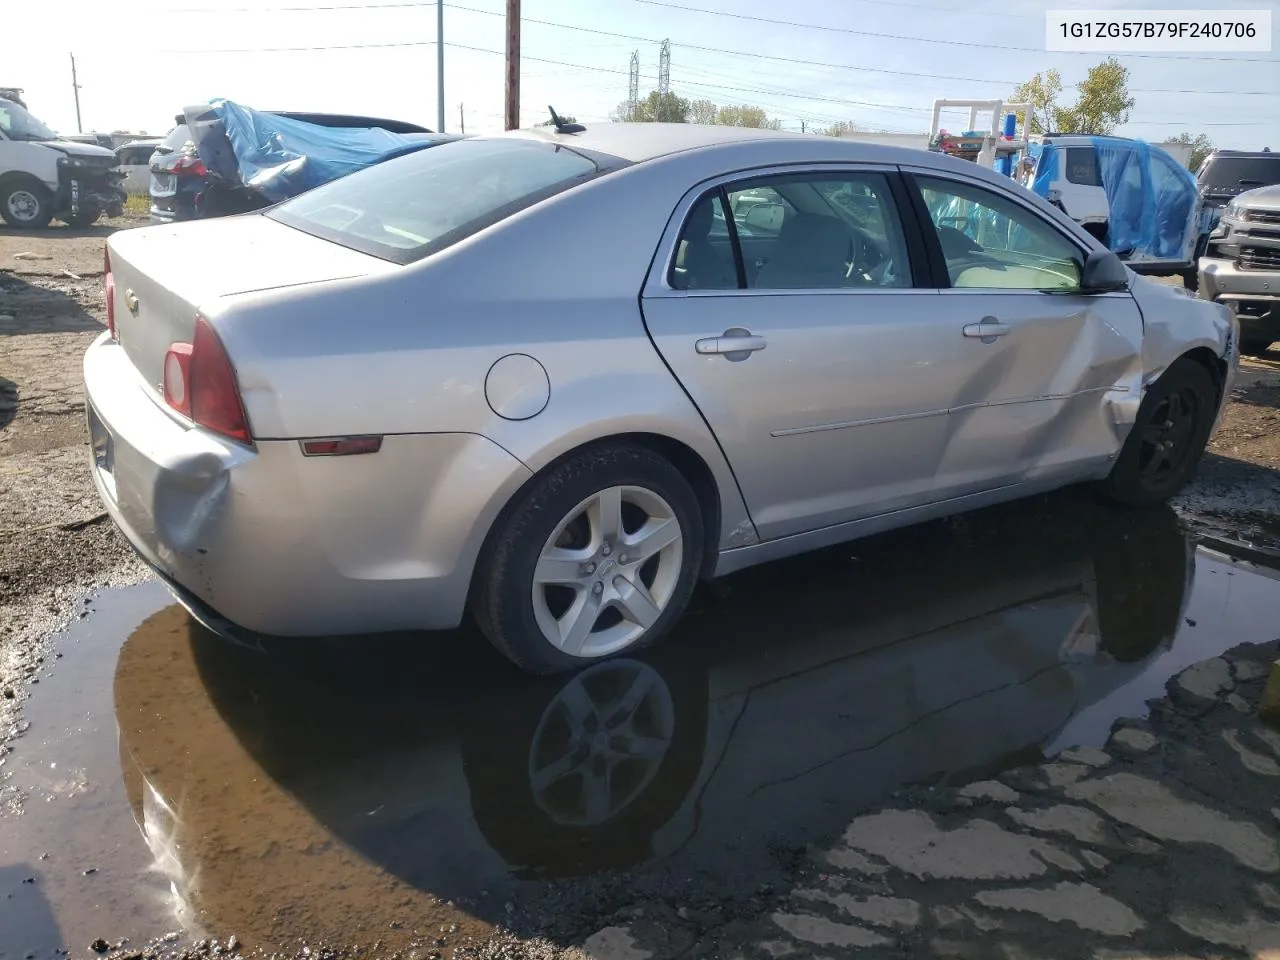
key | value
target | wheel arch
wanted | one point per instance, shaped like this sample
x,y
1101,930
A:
x,y
691,464
1215,365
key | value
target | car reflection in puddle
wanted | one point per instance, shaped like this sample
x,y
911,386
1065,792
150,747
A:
x,y
333,786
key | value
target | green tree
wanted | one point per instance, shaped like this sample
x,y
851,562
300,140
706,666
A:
x,y
1104,102
1041,92
703,111
841,128
1201,147
655,108
746,116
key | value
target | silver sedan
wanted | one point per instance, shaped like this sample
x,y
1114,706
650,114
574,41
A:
x,y
556,378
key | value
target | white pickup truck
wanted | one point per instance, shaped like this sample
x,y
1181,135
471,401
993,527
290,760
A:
x,y
43,177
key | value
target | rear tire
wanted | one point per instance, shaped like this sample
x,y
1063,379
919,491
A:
x,y
25,203
1191,280
598,556
1168,439
1255,348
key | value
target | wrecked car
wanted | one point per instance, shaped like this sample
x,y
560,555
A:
x,y
43,176
1132,196
1242,268
224,158
522,376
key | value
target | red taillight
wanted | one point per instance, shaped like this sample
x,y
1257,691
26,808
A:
x,y
189,166
177,378
109,287
200,382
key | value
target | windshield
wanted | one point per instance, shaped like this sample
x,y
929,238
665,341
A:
x,y
404,209
1240,171
18,124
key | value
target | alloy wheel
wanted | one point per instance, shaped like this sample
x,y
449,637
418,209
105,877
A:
x,y
1166,440
608,571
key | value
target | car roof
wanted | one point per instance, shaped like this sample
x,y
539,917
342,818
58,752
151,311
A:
x,y
638,142
1243,153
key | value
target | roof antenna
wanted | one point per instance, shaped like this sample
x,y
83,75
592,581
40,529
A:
x,y
563,127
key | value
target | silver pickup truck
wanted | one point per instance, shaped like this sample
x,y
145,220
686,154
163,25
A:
x,y
1241,266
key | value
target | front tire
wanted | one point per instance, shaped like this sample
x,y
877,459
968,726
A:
x,y
1166,443
599,555
25,204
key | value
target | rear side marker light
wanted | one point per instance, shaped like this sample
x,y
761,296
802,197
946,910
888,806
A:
x,y
340,446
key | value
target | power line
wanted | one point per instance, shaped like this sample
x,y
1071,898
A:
x,y
743,54
798,95
824,65
955,43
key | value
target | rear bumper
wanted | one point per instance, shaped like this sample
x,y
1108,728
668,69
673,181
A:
x,y
266,541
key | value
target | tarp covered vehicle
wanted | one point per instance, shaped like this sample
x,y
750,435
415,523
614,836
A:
x,y
1132,196
224,158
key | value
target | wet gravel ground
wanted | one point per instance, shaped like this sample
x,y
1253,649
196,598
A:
x,y
56,550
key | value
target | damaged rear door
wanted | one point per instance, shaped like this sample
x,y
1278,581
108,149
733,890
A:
x,y
1053,375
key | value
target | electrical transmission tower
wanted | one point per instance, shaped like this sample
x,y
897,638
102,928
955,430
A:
x,y
664,78
633,85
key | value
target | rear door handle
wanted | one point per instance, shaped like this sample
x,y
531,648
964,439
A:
x,y
734,344
987,330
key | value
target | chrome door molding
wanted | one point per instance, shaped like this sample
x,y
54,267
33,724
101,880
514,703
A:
x,y
656,283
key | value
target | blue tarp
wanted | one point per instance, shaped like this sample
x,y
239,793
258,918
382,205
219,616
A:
x,y
1150,196
1046,167
281,157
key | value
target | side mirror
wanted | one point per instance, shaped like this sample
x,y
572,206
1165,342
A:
x,y
766,217
1104,272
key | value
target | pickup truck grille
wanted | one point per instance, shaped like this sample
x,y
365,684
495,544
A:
x,y
1264,216
1258,258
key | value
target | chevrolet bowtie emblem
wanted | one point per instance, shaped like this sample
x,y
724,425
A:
x,y
131,301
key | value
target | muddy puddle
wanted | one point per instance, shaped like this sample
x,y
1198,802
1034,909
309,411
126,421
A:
x,y
393,788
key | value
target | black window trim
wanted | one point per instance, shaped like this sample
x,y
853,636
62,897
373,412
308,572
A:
x,y
938,261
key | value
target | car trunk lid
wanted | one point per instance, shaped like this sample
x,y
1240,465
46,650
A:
x,y
164,275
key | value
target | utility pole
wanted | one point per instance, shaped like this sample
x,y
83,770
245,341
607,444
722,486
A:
x,y
633,85
440,66
462,119
664,79
513,65
75,88
802,127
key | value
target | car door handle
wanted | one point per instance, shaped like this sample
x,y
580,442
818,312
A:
x,y
734,343
987,330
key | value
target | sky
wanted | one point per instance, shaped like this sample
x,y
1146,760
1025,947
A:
x,y
878,63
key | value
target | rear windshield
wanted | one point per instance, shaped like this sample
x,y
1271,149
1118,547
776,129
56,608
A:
x,y
1240,171
412,206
